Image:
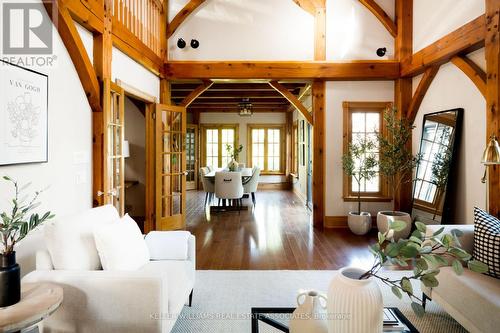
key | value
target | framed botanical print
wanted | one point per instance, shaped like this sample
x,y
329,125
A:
x,y
23,115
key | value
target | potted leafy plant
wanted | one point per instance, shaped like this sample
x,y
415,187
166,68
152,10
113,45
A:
x,y
355,289
14,227
396,163
233,153
359,163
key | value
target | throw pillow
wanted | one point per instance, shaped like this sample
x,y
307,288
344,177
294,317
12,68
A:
x,y
121,245
487,241
70,240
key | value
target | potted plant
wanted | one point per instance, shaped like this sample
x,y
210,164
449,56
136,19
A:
x,y
233,153
355,291
359,163
396,164
14,226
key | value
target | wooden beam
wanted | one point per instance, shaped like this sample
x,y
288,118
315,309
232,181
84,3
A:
x,y
165,92
473,71
282,70
78,54
232,94
320,33
422,88
467,38
492,54
306,5
197,92
293,100
381,15
189,8
319,160
89,13
237,110
236,100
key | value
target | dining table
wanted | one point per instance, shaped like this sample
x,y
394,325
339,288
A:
x,y
245,173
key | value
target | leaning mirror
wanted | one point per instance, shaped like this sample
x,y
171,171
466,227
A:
x,y
436,173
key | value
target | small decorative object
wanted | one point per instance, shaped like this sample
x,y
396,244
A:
x,y
354,303
195,43
359,163
23,115
310,314
14,226
233,153
181,43
381,51
396,164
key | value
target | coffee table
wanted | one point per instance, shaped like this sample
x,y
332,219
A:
x,y
263,314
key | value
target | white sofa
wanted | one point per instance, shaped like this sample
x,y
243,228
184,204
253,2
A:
x,y
472,299
146,300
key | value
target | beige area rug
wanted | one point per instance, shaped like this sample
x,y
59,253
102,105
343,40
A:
x,y
221,298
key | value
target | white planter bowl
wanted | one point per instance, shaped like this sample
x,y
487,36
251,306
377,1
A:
x,y
384,217
359,224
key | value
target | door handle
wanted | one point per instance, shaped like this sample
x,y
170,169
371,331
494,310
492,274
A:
x,y
112,193
185,173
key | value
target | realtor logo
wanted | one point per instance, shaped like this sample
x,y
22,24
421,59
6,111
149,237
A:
x,y
26,29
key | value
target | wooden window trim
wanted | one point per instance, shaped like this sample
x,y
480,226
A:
x,y
219,127
350,107
281,127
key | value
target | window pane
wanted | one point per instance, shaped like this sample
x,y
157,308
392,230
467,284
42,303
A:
x,y
227,140
372,122
358,122
212,148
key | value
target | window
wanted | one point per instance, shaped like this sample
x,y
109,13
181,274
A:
x,y
295,149
266,148
362,120
214,141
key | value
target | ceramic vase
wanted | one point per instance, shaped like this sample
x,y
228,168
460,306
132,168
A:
x,y
233,165
354,305
10,280
359,224
384,217
310,314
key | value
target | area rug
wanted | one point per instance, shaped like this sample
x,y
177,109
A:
x,y
223,299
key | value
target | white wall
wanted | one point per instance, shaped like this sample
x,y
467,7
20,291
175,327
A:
x,y
434,19
336,93
68,172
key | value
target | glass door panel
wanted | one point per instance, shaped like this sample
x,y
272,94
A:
x,y
191,156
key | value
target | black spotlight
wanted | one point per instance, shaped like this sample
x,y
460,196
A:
x,y
181,43
194,43
381,51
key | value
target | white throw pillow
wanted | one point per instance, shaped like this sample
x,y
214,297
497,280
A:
x,y
168,245
70,240
121,245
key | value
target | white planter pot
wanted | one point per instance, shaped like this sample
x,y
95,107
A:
x,y
310,314
384,217
359,224
354,305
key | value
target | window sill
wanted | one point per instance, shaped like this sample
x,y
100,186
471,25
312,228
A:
x,y
272,173
367,199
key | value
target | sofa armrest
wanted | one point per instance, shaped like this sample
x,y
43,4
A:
x,y
170,245
107,301
467,240
44,261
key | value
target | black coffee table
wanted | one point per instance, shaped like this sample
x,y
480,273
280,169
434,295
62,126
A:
x,y
262,314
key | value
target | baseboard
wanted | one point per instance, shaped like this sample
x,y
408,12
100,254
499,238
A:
x,y
340,222
274,186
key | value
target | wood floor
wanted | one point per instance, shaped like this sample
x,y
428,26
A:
x,y
277,234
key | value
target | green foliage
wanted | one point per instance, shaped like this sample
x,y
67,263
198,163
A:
x,y
17,224
360,162
427,252
234,152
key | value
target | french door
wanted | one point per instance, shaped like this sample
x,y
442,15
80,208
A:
x,y
191,157
114,131
170,169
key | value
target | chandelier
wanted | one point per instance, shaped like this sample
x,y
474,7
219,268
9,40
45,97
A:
x,y
245,107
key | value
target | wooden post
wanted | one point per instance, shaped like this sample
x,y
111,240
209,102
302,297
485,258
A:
x,y
403,86
165,92
492,53
289,143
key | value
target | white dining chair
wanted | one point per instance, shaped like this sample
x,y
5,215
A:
x,y
208,185
210,168
229,186
250,185
241,165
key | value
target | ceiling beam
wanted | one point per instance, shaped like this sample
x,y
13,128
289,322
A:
x,y
235,86
306,5
293,100
196,92
189,8
381,15
422,88
235,94
473,71
282,70
467,38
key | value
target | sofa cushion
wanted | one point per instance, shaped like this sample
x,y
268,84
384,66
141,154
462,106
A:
x,y
120,245
70,240
487,241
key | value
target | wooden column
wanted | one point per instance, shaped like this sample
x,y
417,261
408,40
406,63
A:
x,y
289,143
492,53
103,46
165,92
403,86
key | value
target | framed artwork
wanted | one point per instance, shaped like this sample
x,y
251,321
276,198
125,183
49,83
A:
x,y
23,115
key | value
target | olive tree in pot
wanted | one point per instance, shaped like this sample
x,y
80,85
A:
x,y
14,227
396,163
359,163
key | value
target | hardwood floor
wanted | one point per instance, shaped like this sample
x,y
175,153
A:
x,y
277,234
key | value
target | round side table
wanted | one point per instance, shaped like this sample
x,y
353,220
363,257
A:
x,y
38,301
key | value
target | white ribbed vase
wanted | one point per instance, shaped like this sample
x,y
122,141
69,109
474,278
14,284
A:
x,y
354,305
